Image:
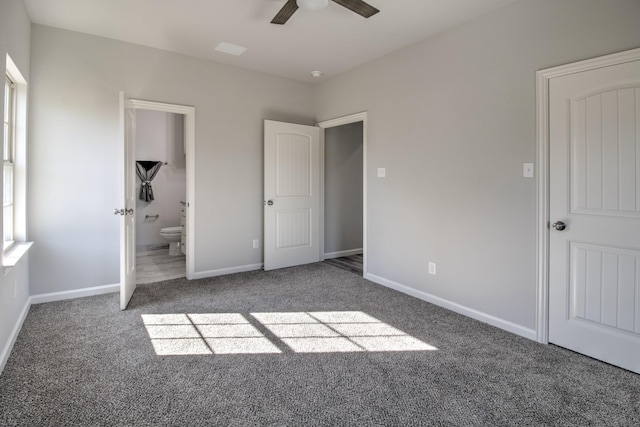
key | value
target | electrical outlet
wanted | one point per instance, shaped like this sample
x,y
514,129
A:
x,y
432,268
256,243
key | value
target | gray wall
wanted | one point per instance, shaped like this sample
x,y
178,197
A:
x,y
15,30
160,137
74,144
343,188
452,118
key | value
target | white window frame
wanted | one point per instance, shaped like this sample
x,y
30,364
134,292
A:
x,y
8,150
12,253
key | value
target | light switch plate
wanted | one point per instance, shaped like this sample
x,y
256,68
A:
x,y
527,170
382,172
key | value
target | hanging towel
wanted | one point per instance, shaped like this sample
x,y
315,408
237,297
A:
x,y
147,170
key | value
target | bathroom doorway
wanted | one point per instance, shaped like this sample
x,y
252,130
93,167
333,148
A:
x,y
161,184
162,145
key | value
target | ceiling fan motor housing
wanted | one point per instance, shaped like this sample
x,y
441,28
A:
x,y
360,7
312,4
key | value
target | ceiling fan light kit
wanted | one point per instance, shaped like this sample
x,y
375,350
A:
x,y
358,6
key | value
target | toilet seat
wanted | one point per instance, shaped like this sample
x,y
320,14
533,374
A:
x,y
171,230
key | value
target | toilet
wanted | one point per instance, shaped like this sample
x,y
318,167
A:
x,y
173,236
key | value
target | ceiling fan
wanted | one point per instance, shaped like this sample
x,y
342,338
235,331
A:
x,y
358,6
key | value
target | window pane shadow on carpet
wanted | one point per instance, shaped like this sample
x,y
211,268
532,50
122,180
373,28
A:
x,y
268,348
301,332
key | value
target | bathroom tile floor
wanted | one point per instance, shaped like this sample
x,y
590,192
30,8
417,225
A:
x,y
156,266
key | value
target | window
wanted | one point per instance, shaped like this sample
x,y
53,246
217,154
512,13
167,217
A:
x,y
8,161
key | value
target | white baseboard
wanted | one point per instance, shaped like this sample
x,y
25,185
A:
x,y
76,293
466,311
225,271
340,254
8,346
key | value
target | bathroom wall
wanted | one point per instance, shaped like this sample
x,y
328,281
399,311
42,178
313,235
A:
x,y
343,189
160,136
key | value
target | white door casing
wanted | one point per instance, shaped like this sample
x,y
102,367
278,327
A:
x,y
324,125
291,194
594,189
189,114
128,185
127,226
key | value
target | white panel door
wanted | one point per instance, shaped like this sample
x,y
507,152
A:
x,y
291,194
594,262
127,227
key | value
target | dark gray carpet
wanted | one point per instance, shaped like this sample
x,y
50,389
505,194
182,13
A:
x,y
83,362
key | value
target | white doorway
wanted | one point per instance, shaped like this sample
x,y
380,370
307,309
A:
x,y
129,188
328,248
294,234
589,222
160,204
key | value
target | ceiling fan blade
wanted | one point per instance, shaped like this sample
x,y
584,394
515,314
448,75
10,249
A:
x,y
285,13
359,7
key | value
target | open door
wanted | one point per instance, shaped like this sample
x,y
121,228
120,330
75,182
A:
x,y
291,194
127,225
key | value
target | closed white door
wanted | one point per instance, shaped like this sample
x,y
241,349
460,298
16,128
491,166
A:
x,y
291,194
127,227
594,246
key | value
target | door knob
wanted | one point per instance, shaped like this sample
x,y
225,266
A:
x,y
559,225
270,203
128,211
118,211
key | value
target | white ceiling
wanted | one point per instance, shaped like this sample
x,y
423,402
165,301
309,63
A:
x,y
332,40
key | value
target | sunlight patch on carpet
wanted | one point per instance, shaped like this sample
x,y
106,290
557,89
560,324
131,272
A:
x,y
338,331
300,332
205,333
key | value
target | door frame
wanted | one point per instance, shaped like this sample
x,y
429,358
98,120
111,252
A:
x,y
339,121
543,191
189,146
